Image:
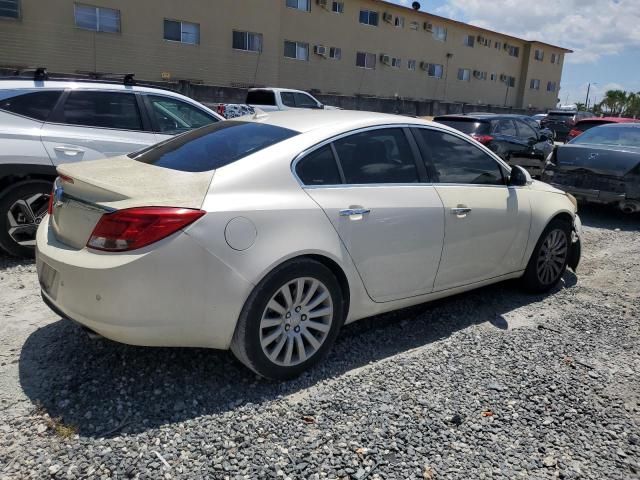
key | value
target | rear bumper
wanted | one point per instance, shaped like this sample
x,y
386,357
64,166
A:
x,y
174,293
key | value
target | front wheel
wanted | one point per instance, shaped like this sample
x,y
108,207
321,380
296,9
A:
x,y
22,208
549,258
290,321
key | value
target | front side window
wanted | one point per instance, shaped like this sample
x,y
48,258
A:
x,y
368,17
98,19
377,156
10,8
213,146
173,116
464,74
319,168
35,105
102,109
454,160
525,131
184,32
305,101
366,60
299,4
288,100
296,50
251,42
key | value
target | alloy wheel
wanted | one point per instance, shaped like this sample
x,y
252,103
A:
x,y
296,321
24,216
552,257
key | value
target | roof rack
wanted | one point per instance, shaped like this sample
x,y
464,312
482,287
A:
x,y
39,73
127,78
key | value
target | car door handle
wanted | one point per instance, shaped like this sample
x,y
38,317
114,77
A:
x,y
347,212
460,211
69,151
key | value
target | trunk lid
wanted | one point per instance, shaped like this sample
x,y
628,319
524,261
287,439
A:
x,y
103,186
595,159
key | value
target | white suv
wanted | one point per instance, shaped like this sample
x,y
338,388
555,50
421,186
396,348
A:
x,y
46,123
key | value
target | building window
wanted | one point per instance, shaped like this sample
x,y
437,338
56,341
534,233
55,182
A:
x,y
185,32
396,62
534,84
493,77
498,45
399,22
469,40
296,50
435,70
414,26
337,7
514,51
440,33
98,19
251,42
335,53
299,4
464,74
551,86
538,55
366,60
511,81
411,65
368,17
480,75
10,8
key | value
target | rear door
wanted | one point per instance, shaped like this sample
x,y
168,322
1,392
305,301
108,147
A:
x,y
92,124
486,222
507,143
387,214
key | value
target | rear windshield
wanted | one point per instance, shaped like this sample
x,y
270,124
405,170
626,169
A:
x,y
261,97
213,146
467,126
618,135
587,124
562,115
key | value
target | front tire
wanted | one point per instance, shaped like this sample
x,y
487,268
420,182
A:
x,y
290,320
22,208
549,259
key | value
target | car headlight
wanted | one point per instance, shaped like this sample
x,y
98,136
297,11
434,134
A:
x,y
573,200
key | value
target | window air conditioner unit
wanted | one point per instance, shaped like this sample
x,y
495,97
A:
x,y
323,3
424,66
320,50
428,26
386,59
387,17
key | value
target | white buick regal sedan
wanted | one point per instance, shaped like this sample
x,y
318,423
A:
x,y
265,234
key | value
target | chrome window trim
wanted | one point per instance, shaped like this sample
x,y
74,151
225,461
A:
x,y
298,158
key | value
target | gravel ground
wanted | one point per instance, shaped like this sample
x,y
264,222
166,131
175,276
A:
x,y
490,384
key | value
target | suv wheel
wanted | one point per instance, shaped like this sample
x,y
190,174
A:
x,y
22,208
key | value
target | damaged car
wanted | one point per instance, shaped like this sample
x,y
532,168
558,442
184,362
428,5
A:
x,y
600,166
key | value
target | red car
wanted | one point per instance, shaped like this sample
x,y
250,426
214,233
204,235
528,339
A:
x,y
583,125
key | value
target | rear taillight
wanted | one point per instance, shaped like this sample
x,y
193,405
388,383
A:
x,y
134,228
483,139
50,204
573,133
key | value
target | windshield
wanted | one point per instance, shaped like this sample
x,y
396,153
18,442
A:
x,y
618,135
466,126
213,146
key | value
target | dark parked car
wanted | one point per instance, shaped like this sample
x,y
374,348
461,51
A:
x,y
601,166
583,125
515,138
562,121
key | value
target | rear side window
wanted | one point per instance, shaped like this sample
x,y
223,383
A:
x,y
466,126
377,156
261,97
454,160
102,109
213,146
505,127
35,105
172,116
319,168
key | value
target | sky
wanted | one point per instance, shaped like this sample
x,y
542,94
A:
x,y
604,35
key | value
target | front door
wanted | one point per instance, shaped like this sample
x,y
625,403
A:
x,y
388,218
486,222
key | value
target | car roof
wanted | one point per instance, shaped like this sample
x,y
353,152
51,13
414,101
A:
x,y
480,116
610,120
15,84
620,125
277,89
302,120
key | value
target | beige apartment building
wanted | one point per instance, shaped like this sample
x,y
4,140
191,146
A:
x,y
350,47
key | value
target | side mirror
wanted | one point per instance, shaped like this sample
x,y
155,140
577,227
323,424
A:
x,y
519,177
321,106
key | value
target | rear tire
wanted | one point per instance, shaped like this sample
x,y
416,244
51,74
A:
x,y
290,320
549,259
22,208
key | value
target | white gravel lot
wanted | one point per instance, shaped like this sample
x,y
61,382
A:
x,y
490,384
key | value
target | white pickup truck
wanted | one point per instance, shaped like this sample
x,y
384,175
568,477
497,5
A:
x,y
270,99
